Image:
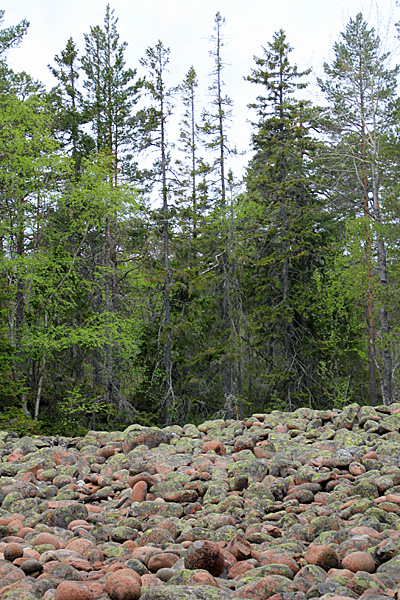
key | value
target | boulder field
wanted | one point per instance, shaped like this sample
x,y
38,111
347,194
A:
x,y
281,506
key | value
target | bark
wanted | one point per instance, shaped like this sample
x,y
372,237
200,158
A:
x,y
387,375
169,390
370,287
228,366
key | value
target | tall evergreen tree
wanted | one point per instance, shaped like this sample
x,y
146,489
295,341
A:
x,y
112,94
216,124
360,88
67,100
155,120
192,170
285,221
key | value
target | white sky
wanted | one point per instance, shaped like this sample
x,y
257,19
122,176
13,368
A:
x,y
311,26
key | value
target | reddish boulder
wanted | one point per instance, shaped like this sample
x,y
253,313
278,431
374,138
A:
x,y
359,561
159,561
46,538
214,445
71,590
139,492
13,551
205,555
323,556
202,577
239,568
239,547
123,585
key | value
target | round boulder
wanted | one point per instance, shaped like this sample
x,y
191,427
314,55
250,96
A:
x,y
359,561
13,551
322,556
123,584
205,555
71,590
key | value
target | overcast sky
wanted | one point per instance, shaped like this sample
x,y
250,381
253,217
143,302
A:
x,y
312,26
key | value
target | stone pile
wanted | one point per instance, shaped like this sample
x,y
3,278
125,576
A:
x,y
278,506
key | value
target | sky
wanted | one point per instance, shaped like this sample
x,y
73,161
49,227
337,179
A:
x,y
311,26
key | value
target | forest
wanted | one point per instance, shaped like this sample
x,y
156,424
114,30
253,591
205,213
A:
x,y
142,280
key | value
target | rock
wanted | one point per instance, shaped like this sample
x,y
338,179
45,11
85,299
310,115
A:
x,y
162,560
13,551
308,577
124,584
215,446
185,592
205,555
19,594
323,556
239,547
31,566
46,538
359,561
68,590
165,573
63,515
239,568
265,588
147,436
139,491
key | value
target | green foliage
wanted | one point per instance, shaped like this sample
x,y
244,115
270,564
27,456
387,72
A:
x,y
78,410
15,419
11,36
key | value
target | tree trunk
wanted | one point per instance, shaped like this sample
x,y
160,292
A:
x,y
387,376
169,390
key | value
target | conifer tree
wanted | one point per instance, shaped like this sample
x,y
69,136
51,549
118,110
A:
x,y
215,127
285,220
112,94
192,170
154,120
67,100
360,88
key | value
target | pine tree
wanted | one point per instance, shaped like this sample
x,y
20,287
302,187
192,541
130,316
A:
x,y
10,37
360,89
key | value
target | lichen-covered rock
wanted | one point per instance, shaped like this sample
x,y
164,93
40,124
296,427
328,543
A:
x,y
265,588
185,592
63,515
151,437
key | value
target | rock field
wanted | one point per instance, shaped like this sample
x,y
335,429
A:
x,y
287,506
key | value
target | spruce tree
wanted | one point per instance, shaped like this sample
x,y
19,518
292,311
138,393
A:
x,y
112,92
215,127
286,233
154,121
67,102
